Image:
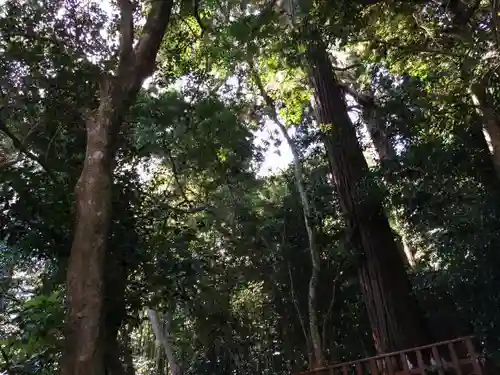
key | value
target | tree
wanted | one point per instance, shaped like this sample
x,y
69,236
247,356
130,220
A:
x,y
397,322
84,347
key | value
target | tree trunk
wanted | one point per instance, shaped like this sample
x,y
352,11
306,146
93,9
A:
x,y
491,119
385,152
83,353
479,154
308,215
163,337
395,317
378,134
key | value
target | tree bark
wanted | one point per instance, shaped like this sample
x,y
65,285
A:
x,y
396,320
83,353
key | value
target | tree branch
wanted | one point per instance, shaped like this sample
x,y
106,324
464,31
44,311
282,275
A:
x,y
152,36
22,148
126,32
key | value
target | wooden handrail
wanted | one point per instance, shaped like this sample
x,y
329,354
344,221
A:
x,y
386,355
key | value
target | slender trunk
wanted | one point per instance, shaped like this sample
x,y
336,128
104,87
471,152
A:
x,y
491,120
163,337
83,353
395,317
308,215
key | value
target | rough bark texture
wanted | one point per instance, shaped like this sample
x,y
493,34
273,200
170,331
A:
x,y
84,352
395,317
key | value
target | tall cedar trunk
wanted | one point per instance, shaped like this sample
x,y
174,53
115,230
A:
x,y
491,120
308,215
84,347
396,320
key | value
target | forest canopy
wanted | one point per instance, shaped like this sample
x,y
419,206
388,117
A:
x,y
245,187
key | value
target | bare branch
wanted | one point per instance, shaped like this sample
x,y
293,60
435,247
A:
x,y
332,303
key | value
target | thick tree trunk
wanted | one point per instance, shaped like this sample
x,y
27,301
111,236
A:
x,y
385,152
84,352
395,317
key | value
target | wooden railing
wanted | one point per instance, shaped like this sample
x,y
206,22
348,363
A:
x,y
453,357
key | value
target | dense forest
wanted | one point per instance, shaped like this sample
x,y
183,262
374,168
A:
x,y
245,186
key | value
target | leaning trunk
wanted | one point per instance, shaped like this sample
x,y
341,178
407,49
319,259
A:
x,y
395,317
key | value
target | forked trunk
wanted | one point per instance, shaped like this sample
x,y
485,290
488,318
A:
x,y
84,352
396,320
